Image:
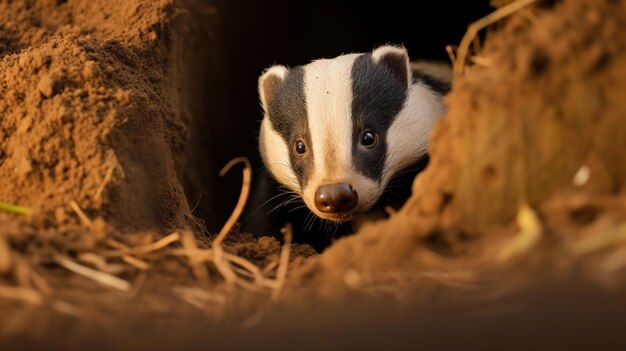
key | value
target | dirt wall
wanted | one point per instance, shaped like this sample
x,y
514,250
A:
x,y
98,108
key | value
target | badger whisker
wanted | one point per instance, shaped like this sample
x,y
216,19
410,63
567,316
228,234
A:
x,y
297,208
284,203
283,193
308,223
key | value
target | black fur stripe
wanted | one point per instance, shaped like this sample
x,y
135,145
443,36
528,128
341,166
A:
x,y
288,114
378,97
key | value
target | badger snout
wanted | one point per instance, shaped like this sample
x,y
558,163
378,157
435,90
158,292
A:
x,y
336,198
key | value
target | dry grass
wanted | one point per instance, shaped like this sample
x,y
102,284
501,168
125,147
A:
x,y
100,277
123,250
18,210
609,239
23,294
30,286
284,262
110,257
459,60
79,212
530,231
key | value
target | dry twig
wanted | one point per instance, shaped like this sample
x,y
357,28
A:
x,y
113,165
196,263
123,250
451,50
23,294
281,275
135,262
100,277
79,212
218,252
27,276
474,28
599,242
198,297
530,230
67,308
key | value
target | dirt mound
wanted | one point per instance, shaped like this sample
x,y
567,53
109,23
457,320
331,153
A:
x,y
110,127
545,104
102,123
86,116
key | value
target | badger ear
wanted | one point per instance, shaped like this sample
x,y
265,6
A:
x,y
396,59
269,82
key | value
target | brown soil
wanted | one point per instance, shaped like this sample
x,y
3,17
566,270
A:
x,y
104,111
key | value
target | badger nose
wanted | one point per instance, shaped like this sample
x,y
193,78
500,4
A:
x,y
336,198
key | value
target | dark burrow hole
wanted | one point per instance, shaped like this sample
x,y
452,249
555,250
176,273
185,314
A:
x,y
254,35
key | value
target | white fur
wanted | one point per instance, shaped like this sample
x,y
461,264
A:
x,y
328,90
274,151
408,136
275,154
329,96
278,71
379,52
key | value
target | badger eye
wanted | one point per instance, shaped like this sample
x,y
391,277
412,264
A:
x,y
300,147
369,138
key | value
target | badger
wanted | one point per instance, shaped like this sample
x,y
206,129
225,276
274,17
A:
x,y
337,132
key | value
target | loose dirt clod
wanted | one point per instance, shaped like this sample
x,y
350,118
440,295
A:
x,y
46,86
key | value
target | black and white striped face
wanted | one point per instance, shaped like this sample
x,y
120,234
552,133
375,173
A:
x,y
336,130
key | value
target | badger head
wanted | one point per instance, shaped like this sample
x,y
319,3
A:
x,y
336,131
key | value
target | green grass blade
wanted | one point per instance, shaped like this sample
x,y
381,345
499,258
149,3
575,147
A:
x,y
14,209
